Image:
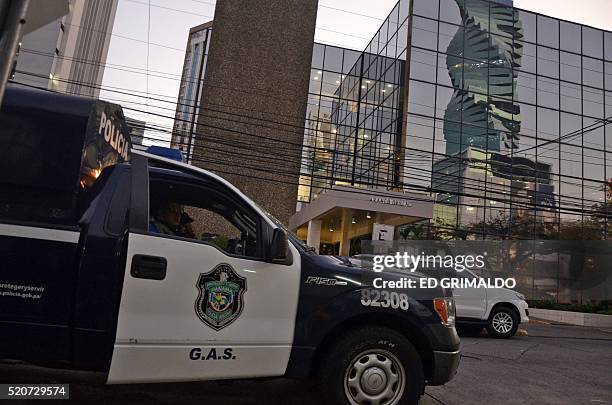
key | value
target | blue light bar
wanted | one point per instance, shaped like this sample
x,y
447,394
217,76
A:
x,y
169,153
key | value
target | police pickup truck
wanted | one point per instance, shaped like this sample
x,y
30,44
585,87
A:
x,y
88,282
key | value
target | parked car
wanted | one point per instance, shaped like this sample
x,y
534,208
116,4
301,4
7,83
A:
x,y
499,310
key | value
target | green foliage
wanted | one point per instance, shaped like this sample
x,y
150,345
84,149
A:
x,y
590,308
414,231
221,241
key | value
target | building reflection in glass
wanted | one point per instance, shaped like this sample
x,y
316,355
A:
x,y
496,112
482,59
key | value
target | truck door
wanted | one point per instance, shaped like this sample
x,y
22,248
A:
x,y
35,285
199,300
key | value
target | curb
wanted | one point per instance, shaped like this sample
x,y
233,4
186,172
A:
x,y
571,318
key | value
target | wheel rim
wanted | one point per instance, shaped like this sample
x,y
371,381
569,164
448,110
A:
x,y
374,377
502,322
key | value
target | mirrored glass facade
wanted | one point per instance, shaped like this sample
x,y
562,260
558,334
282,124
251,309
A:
x,y
512,107
354,119
500,114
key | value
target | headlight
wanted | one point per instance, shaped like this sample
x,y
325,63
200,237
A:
x,y
445,307
520,296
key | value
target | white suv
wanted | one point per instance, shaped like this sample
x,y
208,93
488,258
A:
x,y
500,310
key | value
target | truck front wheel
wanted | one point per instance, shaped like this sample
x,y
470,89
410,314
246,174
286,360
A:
x,y
373,365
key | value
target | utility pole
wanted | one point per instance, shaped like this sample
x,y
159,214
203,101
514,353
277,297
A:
x,y
12,19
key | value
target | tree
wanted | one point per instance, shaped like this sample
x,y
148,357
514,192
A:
x,y
417,231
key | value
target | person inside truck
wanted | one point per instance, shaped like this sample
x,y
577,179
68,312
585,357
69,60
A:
x,y
170,219
166,219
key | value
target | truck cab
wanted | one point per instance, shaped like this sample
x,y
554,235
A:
x,y
157,271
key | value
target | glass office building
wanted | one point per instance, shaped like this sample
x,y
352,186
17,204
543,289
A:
x,y
500,115
354,113
184,129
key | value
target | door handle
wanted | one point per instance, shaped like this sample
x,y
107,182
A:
x,y
149,267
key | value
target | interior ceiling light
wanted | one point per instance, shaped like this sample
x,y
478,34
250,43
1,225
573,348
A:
x,y
368,216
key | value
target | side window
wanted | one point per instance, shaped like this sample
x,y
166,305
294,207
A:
x,y
234,232
205,214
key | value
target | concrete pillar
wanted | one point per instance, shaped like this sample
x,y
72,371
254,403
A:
x,y
254,97
378,218
313,237
345,229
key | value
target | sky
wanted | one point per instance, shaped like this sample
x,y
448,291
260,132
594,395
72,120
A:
x,y
154,69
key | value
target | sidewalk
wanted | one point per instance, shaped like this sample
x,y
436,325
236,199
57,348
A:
x,y
572,318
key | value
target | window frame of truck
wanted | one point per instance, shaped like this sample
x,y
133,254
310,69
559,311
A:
x,y
199,186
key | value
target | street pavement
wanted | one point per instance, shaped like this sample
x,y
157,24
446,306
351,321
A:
x,y
553,365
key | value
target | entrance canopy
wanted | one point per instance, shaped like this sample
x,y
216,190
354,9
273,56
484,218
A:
x,y
343,214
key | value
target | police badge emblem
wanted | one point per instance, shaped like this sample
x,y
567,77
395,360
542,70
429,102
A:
x,y
220,298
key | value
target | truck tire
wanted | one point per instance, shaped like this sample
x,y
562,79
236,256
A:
x,y
503,323
372,365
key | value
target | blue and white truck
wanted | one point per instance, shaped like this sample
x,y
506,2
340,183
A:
x,y
87,283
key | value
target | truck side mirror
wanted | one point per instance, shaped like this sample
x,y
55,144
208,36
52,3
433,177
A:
x,y
279,248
